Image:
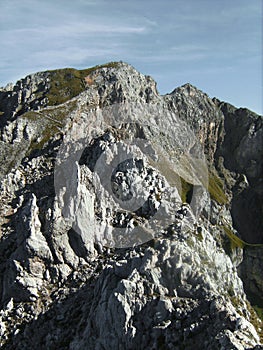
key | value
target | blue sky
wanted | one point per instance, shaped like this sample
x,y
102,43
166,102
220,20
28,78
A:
x,y
214,44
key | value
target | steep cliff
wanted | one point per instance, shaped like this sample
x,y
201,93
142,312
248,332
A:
x,y
129,220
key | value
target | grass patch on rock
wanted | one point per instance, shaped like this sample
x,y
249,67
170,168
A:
x,y
235,241
48,123
186,191
256,318
216,189
256,314
69,82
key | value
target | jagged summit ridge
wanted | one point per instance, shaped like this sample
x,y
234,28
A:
x,y
51,88
182,285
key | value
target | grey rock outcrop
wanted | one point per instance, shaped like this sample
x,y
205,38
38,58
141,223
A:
x,y
242,153
26,94
121,215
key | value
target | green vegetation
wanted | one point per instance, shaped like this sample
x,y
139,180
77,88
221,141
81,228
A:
x,y
216,189
259,311
256,319
236,242
186,191
64,85
198,234
48,122
69,82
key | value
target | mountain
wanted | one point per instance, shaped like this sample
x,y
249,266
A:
x,y
129,220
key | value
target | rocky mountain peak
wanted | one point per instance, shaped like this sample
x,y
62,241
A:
x,y
56,87
188,89
129,220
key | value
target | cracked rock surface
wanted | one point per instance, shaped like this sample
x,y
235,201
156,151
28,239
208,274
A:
x,y
128,220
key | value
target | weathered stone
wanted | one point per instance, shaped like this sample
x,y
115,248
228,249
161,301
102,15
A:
x,y
97,249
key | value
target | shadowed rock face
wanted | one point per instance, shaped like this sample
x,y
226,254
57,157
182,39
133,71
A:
x,y
242,149
97,249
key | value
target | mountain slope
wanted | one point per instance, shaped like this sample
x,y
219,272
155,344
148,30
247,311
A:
x,y
123,215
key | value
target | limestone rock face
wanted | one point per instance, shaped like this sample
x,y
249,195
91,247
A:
x,y
242,154
201,113
26,94
124,215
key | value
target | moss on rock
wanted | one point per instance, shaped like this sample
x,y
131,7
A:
x,y
69,82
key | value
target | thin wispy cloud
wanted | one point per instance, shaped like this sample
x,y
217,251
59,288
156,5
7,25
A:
x,y
166,39
75,28
71,56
